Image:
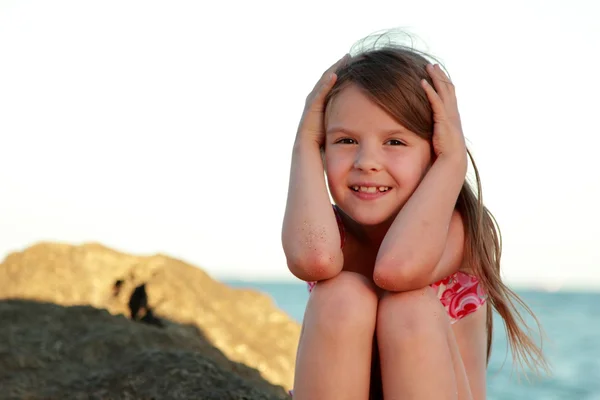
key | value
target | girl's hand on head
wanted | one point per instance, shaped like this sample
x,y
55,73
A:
x,y
448,139
311,127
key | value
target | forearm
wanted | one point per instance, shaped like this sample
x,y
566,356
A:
x,y
415,242
310,235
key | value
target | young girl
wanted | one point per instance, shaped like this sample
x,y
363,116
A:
x,y
404,268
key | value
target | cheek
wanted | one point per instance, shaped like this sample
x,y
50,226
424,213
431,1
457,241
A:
x,y
336,171
410,170
426,162
333,173
333,163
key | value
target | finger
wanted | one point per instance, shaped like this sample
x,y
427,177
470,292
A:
x,y
324,85
339,63
449,98
448,82
443,77
312,119
316,98
442,83
331,70
437,104
435,79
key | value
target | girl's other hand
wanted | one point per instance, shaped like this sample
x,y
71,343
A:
x,y
448,139
311,127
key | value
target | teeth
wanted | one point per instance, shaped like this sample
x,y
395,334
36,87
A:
x,y
370,189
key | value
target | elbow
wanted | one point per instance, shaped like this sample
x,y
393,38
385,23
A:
x,y
315,267
401,276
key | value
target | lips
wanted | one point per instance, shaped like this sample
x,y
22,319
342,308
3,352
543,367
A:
x,y
369,191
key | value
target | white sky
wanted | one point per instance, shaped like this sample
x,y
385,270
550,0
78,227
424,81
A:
x,y
167,126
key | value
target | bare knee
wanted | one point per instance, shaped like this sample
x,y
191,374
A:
x,y
411,312
347,301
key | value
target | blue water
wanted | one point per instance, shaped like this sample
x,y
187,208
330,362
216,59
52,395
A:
x,y
571,322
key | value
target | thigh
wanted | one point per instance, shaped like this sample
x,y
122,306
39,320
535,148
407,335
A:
x,y
469,336
419,355
334,353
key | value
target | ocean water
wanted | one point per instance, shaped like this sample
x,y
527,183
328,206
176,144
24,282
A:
x,y
570,320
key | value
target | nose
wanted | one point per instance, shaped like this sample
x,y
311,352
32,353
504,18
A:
x,y
367,159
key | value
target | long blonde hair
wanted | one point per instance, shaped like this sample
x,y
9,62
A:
x,y
390,75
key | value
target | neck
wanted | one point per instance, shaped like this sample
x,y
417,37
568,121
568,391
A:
x,y
371,235
375,234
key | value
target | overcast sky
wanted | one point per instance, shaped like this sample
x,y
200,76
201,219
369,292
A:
x,y
167,126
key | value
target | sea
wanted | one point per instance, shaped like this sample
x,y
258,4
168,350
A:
x,y
571,325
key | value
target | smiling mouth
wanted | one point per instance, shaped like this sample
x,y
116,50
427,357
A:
x,y
370,189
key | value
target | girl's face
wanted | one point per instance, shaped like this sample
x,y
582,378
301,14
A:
x,y
373,163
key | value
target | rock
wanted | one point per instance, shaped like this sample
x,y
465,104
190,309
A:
x,y
227,339
80,352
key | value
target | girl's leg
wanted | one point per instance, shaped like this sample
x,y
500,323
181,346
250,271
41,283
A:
x,y
419,356
334,355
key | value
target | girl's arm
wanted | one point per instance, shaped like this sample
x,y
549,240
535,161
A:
x,y
310,235
425,242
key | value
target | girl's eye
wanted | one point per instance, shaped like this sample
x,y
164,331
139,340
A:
x,y
346,141
396,142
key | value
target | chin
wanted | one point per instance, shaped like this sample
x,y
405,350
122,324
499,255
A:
x,y
376,221
369,214
370,218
